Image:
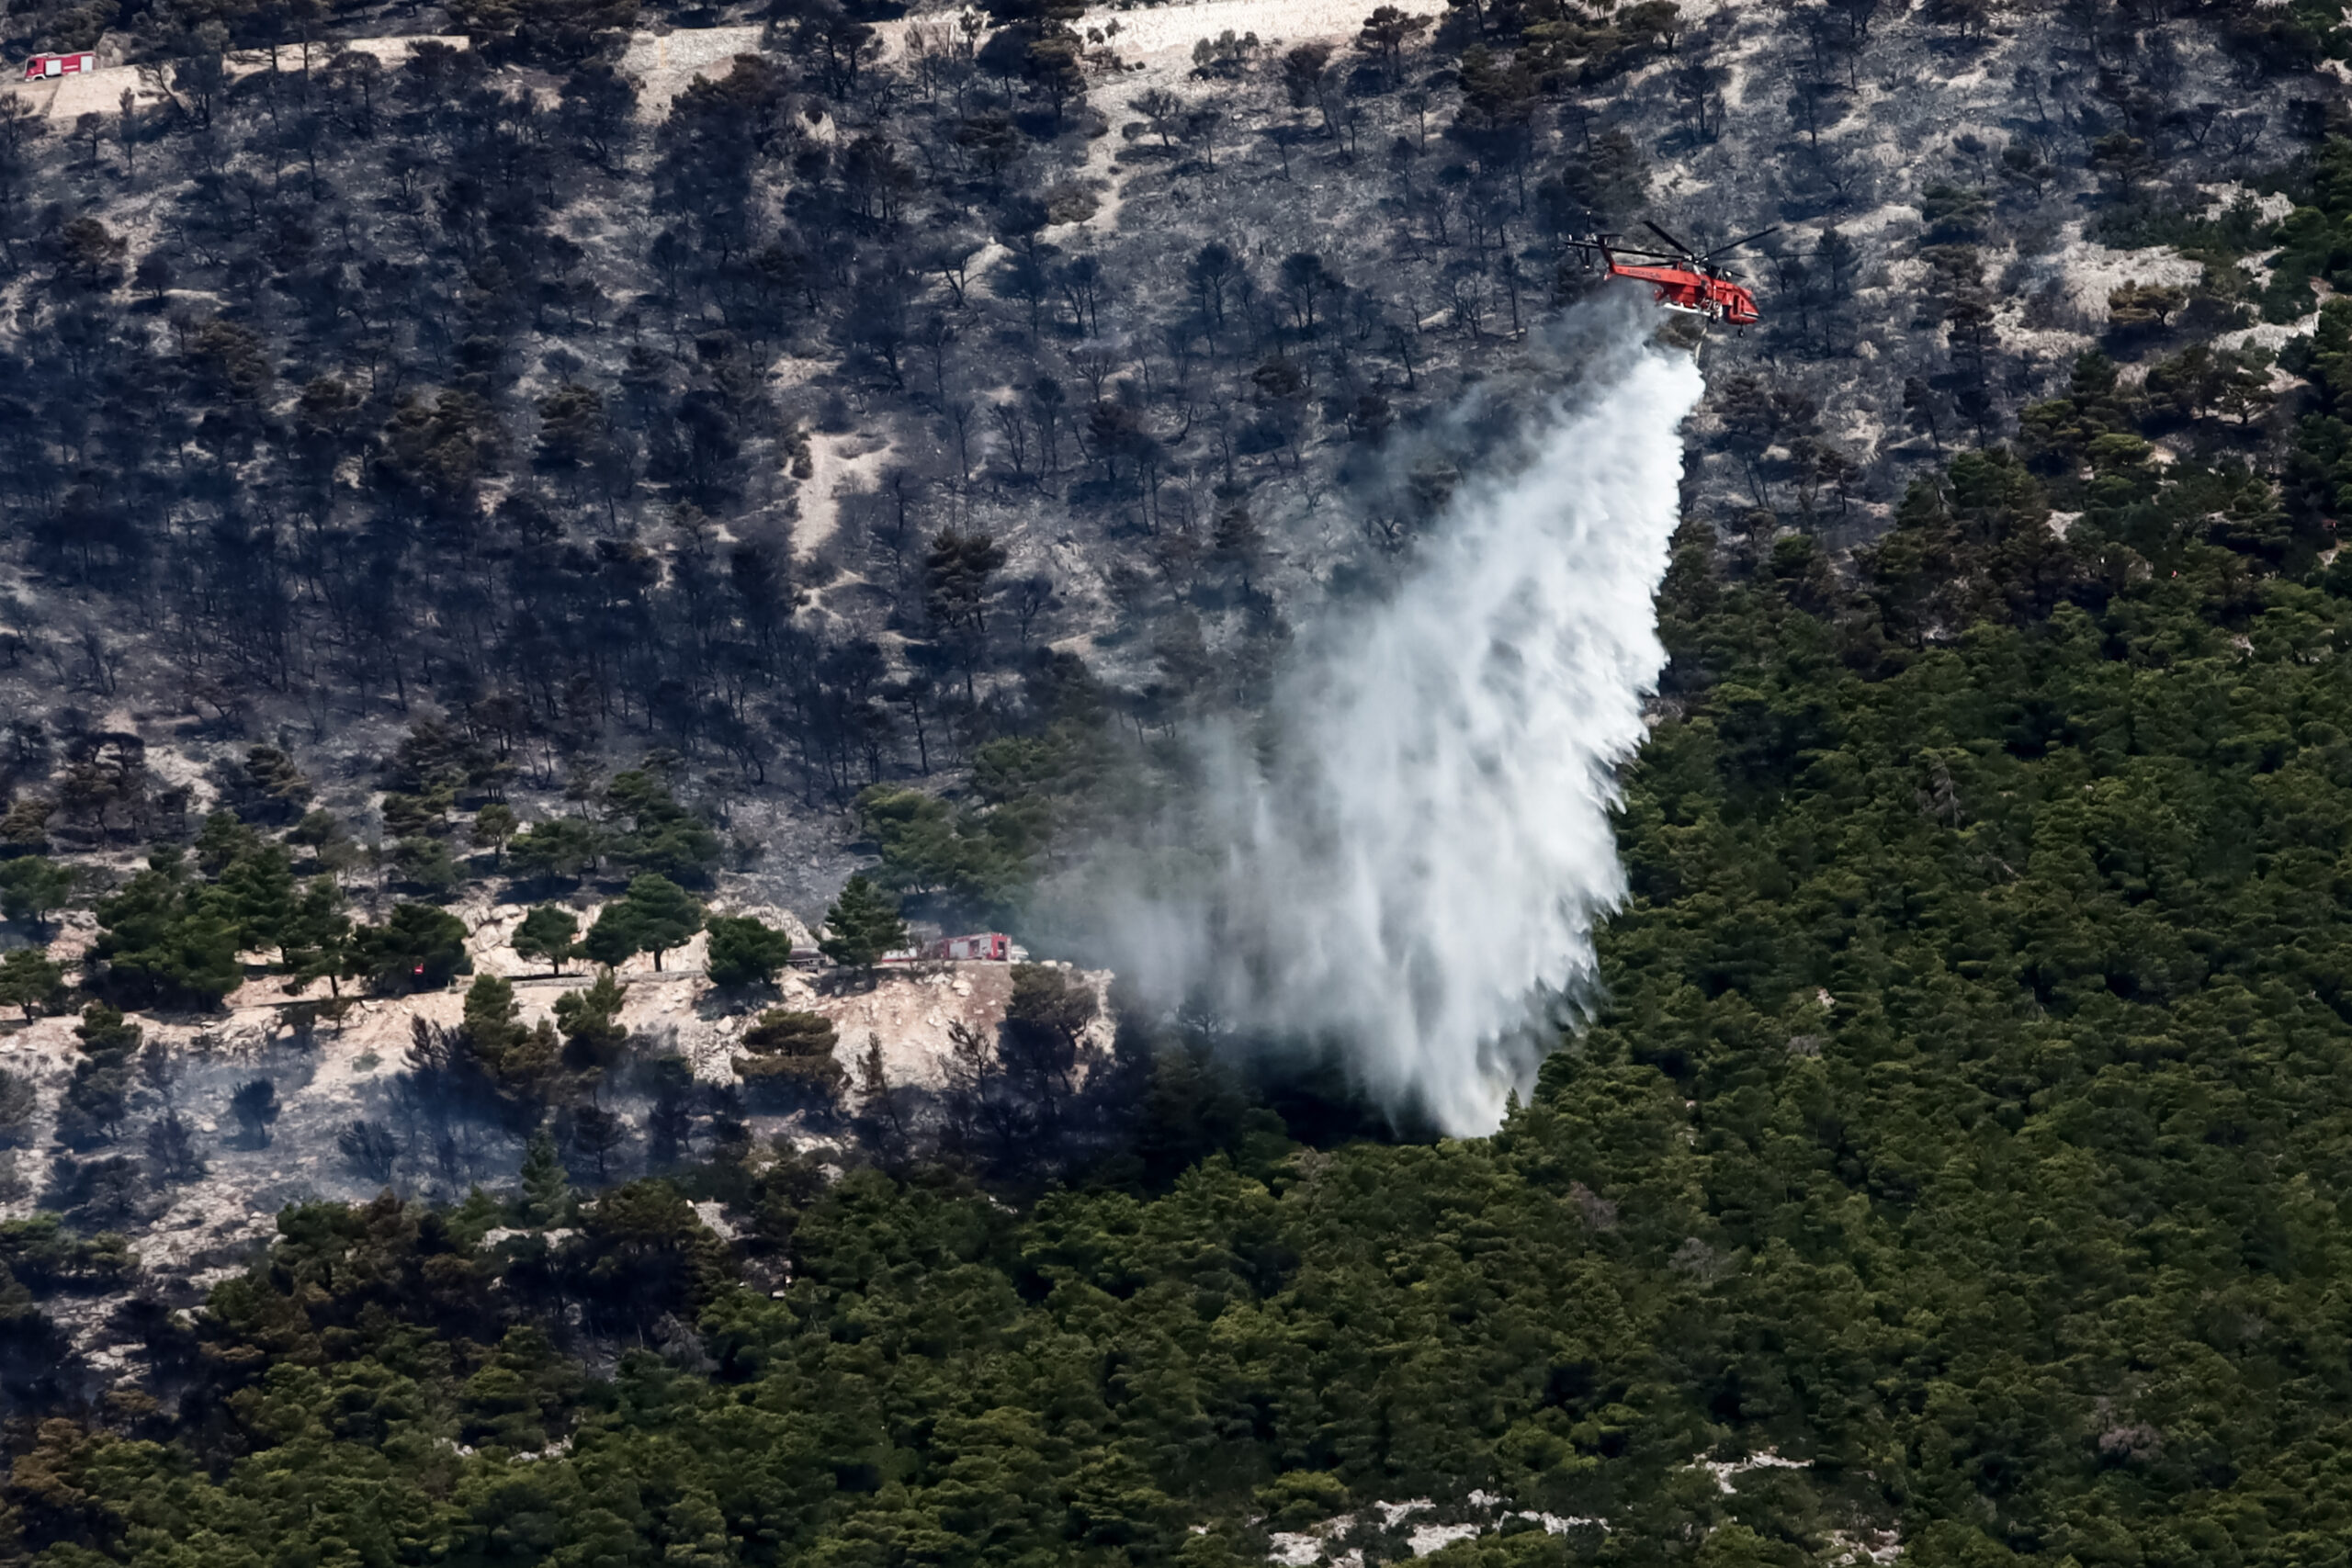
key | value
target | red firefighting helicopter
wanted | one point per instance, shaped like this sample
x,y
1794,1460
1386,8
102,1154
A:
x,y
1692,282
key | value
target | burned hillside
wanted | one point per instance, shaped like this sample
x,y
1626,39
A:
x,y
796,416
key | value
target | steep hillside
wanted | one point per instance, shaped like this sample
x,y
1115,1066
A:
x,y
522,385
496,486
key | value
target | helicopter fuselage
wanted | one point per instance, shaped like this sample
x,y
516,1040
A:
x,y
1693,292
1683,280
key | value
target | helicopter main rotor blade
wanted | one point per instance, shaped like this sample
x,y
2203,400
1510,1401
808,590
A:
x,y
1670,239
1721,249
1624,252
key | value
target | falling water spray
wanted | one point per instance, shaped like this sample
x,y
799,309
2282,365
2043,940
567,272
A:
x,y
1408,860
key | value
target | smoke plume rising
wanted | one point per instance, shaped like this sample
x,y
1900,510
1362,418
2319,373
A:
x,y
1408,860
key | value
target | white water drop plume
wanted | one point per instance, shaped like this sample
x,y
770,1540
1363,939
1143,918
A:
x,y
1409,859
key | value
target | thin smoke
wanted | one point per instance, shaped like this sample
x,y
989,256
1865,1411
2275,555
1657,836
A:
x,y
1412,866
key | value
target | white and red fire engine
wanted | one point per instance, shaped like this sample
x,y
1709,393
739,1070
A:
x,y
993,947
984,947
42,67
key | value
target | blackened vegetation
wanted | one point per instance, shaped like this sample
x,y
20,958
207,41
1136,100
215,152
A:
x,y
349,388
787,428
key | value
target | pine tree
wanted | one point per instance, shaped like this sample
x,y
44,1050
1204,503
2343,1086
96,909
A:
x,y
519,1058
224,841
369,1149
256,1107
862,926
418,949
744,952
426,862
664,915
494,825
32,887
104,1029
590,1019
793,1051
316,942
167,936
881,1120
563,847
491,1014
25,826
548,932
171,1150
595,1136
614,938
669,1125
547,1196
323,834
271,774
96,1102
31,979
259,888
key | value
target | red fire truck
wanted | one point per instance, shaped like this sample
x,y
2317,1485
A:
x,y
991,946
985,947
40,67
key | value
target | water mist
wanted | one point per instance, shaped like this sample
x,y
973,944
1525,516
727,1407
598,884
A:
x,y
1409,859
